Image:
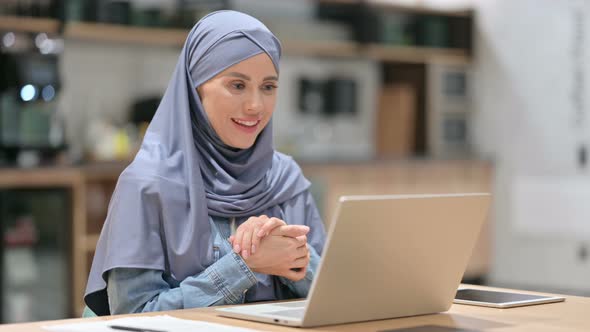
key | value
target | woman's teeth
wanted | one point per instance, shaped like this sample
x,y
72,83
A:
x,y
246,123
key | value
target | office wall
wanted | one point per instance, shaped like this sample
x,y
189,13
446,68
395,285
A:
x,y
532,97
102,80
341,136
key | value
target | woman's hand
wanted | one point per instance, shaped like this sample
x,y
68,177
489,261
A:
x,y
283,252
247,238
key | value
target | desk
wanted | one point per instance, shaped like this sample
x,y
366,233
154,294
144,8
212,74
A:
x,y
569,316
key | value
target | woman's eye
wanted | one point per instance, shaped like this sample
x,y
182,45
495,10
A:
x,y
238,86
270,87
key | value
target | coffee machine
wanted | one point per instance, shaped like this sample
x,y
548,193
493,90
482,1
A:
x,y
31,131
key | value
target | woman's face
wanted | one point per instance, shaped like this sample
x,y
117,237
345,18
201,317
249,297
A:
x,y
240,100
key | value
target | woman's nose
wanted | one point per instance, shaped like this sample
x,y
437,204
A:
x,y
254,103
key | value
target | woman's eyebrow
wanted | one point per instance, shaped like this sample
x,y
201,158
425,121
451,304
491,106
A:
x,y
238,75
247,78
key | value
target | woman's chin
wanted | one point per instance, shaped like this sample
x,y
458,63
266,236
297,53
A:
x,y
242,145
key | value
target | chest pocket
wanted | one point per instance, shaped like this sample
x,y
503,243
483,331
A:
x,y
216,253
219,234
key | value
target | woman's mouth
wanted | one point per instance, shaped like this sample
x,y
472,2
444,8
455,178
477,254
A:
x,y
248,126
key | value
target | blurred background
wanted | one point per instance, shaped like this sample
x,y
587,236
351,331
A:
x,y
376,97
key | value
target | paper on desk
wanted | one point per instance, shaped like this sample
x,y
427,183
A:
x,y
162,322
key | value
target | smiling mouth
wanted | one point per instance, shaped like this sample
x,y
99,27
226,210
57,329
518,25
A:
x,y
247,124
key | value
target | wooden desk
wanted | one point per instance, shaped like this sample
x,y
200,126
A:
x,y
569,316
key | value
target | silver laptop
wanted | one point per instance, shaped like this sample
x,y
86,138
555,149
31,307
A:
x,y
385,257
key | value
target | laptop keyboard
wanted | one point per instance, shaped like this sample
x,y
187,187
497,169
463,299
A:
x,y
293,313
298,304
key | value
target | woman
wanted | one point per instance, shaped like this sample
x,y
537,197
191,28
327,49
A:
x,y
208,213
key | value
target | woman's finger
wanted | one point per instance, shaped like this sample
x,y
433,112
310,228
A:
x,y
240,234
295,275
302,240
302,251
269,225
255,239
237,241
245,233
247,242
291,230
300,263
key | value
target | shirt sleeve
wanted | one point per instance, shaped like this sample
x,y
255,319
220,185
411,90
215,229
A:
x,y
132,290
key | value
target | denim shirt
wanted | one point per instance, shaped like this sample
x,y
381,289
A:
x,y
227,281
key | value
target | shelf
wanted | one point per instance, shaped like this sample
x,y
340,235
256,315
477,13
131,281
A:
x,y
412,54
29,24
390,5
39,177
111,33
340,2
176,38
125,34
104,171
322,48
418,9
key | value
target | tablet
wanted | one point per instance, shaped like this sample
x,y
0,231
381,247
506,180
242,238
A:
x,y
497,299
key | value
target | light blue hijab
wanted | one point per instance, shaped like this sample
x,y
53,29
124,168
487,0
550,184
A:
x,y
159,214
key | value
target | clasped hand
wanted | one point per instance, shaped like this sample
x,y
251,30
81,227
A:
x,y
270,246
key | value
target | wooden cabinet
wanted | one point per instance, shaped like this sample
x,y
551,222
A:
x,y
87,214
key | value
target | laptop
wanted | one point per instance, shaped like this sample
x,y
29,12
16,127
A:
x,y
385,257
